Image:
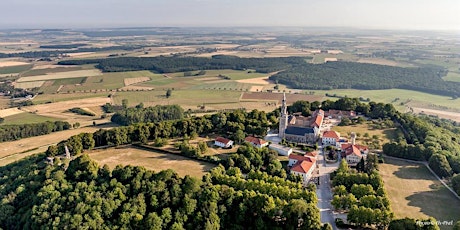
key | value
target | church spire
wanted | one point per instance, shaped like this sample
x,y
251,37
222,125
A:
x,y
283,105
284,118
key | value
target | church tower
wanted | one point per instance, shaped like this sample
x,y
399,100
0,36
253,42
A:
x,y
283,118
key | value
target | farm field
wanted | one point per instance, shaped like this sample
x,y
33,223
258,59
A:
x,y
10,112
14,69
61,75
28,84
415,193
290,98
54,69
452,76
152,160
46,98
26,118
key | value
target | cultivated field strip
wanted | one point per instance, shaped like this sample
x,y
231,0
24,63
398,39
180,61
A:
x,y
61,75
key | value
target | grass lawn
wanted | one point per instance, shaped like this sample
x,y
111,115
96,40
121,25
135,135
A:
x,y
414,192
15,69
151,160
452,76
385,135
26,118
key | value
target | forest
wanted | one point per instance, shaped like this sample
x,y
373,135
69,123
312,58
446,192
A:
x,y
363,76
139,114
15,132
163,64
55,53
36,195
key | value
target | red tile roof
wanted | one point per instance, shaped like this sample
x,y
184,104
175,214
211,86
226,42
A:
x,y
296,157
311,154
222,140
318,121
255,140
304,166
353,149
332,134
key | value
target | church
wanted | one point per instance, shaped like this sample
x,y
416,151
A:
x,y
299,129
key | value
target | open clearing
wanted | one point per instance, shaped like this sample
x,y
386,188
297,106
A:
x,y
61,75
443,114
12,63
290,98
259,81
385,135
414,192
135,80
378,61
9,112
65,105
151,160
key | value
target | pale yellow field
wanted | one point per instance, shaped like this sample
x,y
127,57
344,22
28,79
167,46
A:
x,y
12,63
135,88
256,88
151,160
10,112
28,84
65,105
79,54
443,114
378,61
134,80
62,75
330,59
259,81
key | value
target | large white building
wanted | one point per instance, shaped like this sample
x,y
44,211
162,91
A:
x,y
302,166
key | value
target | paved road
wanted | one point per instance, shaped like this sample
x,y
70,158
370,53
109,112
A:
x,y
324,192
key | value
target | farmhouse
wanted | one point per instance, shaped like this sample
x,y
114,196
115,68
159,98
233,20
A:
x,y
302,166
297,128
282,150
257,142
223,142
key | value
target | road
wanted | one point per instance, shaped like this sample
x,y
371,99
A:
x,y
323,190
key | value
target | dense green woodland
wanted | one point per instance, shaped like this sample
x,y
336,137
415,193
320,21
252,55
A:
x,y
39,196
55,53
295,72
157,113
163,64
352,75
15,132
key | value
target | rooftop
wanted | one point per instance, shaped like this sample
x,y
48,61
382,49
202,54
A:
x,y
298,131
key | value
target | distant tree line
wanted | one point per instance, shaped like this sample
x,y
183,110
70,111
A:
x,y
55,53
185,64
144,115
16,132
63,46
81,111
364,76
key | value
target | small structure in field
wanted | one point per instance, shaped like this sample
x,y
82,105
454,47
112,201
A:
x,y
223,142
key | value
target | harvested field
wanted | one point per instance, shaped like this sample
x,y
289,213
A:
x,y
12,63
136,88
10,112
65,105
61,75
13,150
79,54
290,98
44,71
378,61
29,84
26,118
258,81
256,88
135,80
152,160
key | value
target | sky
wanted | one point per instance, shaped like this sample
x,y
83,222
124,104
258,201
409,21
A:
x,y
367,14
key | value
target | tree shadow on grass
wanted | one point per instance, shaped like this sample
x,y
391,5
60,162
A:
x,y
438,203
414,172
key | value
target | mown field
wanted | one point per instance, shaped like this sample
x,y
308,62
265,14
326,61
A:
x,y
15,69
152,160
414,192
384,135
26,118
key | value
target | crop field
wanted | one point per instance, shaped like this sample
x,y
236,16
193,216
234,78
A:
x,y
452,76
26,118
69,81
65,105
415,193
378,61
290,98
44,71
61,75
47,98
152,160
14,69
29,84
135,80
10,112
4,102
